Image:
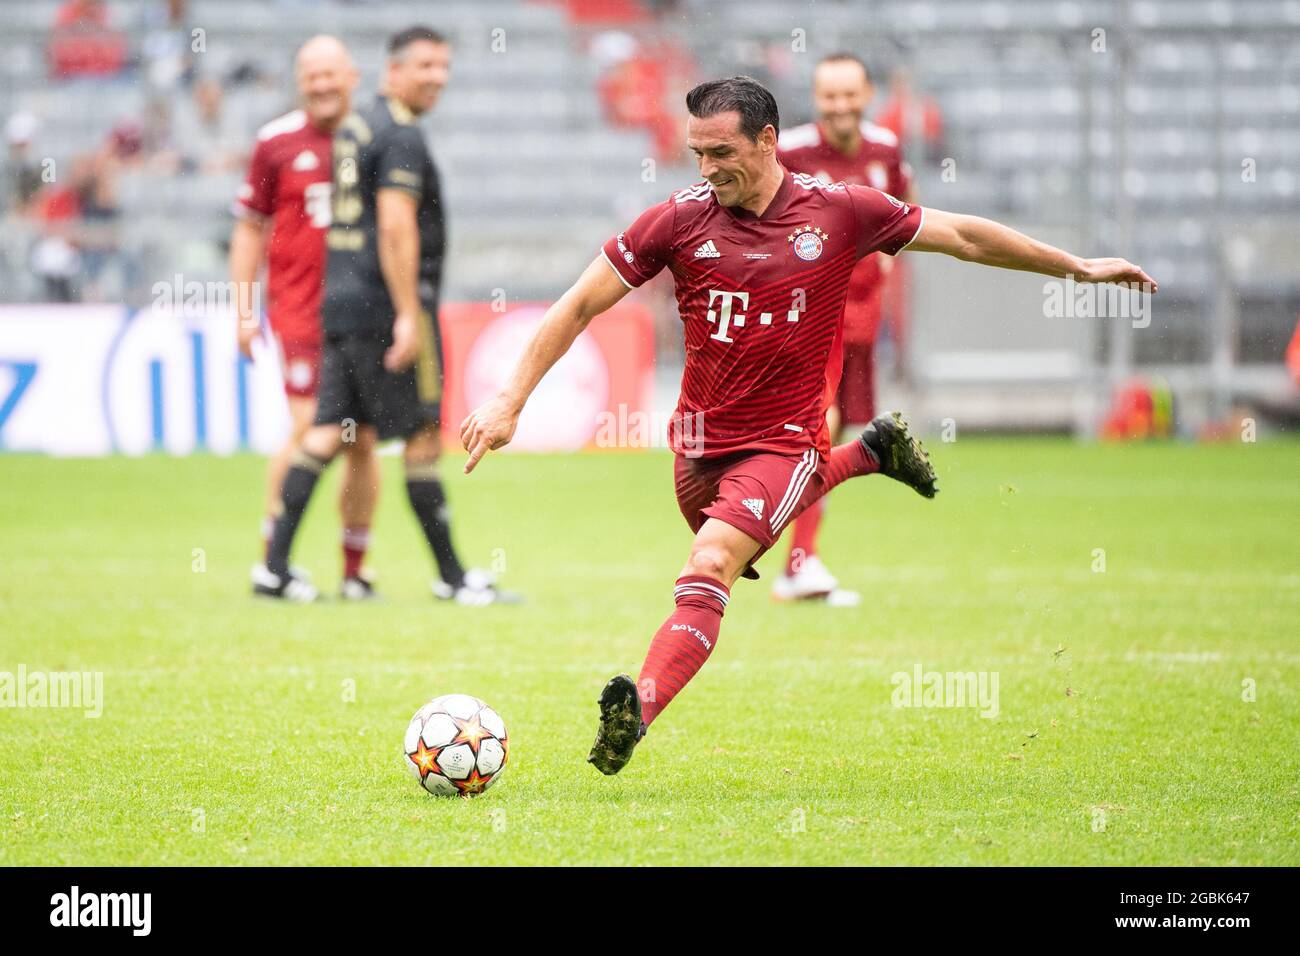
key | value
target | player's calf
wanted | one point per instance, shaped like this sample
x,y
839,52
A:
x,y
299,483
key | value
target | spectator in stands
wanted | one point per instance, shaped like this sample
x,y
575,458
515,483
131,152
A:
x,y
204,133
83,43
96,180
22,173
55,259
914,118
165,47
642,85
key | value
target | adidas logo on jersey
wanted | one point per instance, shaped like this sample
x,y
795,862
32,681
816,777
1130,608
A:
x,y
305,160
755,505
708,251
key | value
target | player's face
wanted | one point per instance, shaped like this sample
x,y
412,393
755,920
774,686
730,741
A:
x,y
419,74
731,162
841,93
325,83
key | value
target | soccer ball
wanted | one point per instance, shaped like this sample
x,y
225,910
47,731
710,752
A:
x,y
456,745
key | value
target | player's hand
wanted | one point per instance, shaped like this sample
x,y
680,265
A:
x,y
247,332
487,428
1119,271
406,343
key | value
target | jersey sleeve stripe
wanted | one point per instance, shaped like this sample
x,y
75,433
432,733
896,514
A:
x,y
621,278
696,193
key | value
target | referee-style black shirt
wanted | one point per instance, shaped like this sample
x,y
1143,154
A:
x,y
377,147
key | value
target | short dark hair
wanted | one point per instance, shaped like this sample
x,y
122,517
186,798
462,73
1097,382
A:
x,y
844,56
743,94
398,42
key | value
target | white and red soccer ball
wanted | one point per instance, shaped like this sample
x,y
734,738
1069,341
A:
x,y
456,746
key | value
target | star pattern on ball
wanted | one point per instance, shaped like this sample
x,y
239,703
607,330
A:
x,y
425,760
474,783
470,732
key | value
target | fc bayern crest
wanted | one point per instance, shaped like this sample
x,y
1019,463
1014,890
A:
x,y
808,242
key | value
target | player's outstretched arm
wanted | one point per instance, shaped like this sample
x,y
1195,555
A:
x,y
492,424
993,244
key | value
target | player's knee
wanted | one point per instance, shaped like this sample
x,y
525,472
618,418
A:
x,y
322,441
710,561
423,447
362,444
302,415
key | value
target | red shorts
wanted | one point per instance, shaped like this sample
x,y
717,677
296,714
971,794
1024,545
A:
x,y
755,492
856,398
300,367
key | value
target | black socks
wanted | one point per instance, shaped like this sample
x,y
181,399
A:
x,y
429,502
299,482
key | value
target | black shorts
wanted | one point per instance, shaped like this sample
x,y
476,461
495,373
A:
x,y
355,386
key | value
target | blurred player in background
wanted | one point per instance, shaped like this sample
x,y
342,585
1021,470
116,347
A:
x,y
381,365
762,260
283,210
841,146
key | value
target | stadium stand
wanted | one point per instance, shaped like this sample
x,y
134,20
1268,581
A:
x,y
1170,136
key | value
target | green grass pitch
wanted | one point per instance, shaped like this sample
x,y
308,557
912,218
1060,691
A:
x,y
227,736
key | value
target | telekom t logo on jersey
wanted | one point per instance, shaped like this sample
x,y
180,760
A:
x,y
726,318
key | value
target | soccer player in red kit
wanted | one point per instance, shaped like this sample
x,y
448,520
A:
x,y
762,260
841,146
283,211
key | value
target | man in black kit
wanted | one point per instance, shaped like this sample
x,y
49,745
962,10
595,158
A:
x,y
381,366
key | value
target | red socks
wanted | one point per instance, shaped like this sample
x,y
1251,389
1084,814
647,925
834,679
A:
x,y
850,460
683,642
803,536
355,543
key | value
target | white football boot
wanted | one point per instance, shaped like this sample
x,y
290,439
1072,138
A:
x,y
813,582
478,590
294,587
358,588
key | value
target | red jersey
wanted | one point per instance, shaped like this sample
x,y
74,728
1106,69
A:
x,y
289,183
761,300
877,163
